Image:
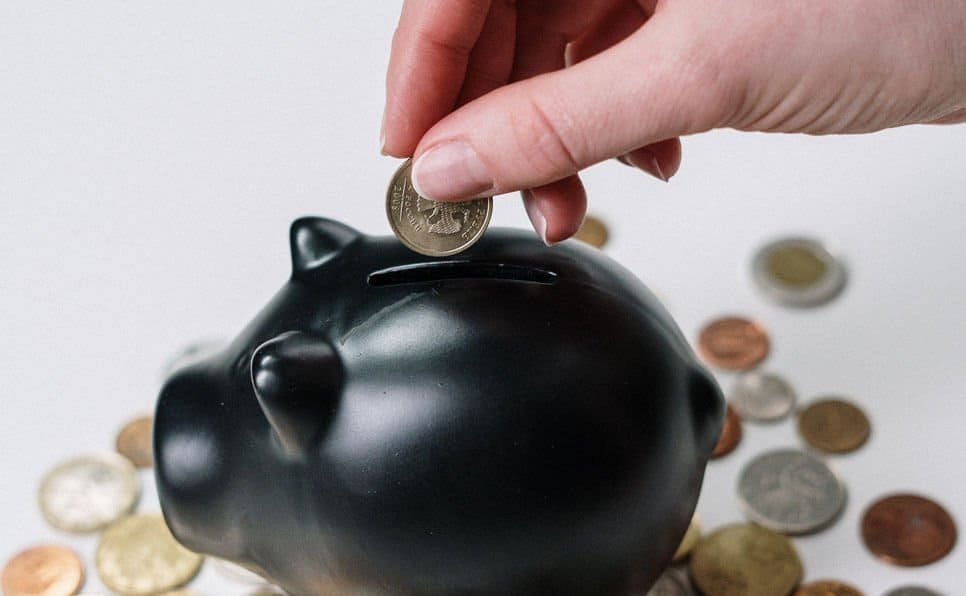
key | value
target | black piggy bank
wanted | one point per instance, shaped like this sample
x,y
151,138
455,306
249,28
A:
x,y
513,420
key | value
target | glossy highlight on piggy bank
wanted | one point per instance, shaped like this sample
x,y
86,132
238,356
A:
x,y
517,420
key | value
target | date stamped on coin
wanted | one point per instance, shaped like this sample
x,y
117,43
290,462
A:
x,y
434,228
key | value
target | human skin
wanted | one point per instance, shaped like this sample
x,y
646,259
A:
x,y
495,96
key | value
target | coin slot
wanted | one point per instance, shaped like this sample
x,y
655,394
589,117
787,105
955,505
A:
x,y
447,270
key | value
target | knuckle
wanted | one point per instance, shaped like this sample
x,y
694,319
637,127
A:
x,y
548,138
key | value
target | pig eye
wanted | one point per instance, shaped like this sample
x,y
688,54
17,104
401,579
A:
x,y
445,270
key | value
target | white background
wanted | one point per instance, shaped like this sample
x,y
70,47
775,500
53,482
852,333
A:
x,y
152,155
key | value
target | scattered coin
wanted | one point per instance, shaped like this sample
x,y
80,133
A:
x,y
138,555
733,343
743,559
134,442
434,228
761,396
834,425
730,434
827,588
798,272
908,530
193,352
691,537
593,231
912,591
44,570
790,491
673,582
87,493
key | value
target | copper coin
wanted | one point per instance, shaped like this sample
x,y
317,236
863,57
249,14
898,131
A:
x,y
593,232
47,570
834,425
733,343
730,434
827,588
908,530
134,442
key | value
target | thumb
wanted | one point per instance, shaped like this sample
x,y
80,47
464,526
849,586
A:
x,y
652,86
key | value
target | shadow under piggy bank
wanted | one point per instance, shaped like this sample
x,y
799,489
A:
x,y
513,420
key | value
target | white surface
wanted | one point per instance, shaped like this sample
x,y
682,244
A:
x,y
152,156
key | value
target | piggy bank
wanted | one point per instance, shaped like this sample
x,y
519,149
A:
x,y
514,420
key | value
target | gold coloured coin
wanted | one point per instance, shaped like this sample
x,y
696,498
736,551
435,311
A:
x,y
434,228
138,555
834,425
744,559
88,492
798,272
593,232
134,442
691,537
44,570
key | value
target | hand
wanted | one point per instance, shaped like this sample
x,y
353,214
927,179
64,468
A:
x,y
492,96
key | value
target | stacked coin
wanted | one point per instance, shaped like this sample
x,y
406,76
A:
x,y
433,228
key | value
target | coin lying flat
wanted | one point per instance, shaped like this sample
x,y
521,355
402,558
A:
x,y
673,582
593,231
691,537
834,425
434,228
87,493
908,530
44,570
911,591
790,491
744,559
798,272
827,588
733,343
730,434
761,396
138,555
134,442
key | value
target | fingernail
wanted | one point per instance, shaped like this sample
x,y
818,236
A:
x,y
537,219
452,170
647,161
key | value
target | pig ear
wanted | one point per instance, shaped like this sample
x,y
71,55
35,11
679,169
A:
x,y
297,378
707,409
315,240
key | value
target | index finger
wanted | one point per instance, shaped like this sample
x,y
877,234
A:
x,y
427,64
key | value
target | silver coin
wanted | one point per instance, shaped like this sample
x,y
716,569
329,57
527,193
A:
x,y
790,491
89,492
673,582
434,228
912,591
762,396
191,353
798,272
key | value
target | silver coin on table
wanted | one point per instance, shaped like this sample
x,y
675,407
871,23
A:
x,y
790,491
761,396
798,272
912,591
434,228
673,582
87,493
